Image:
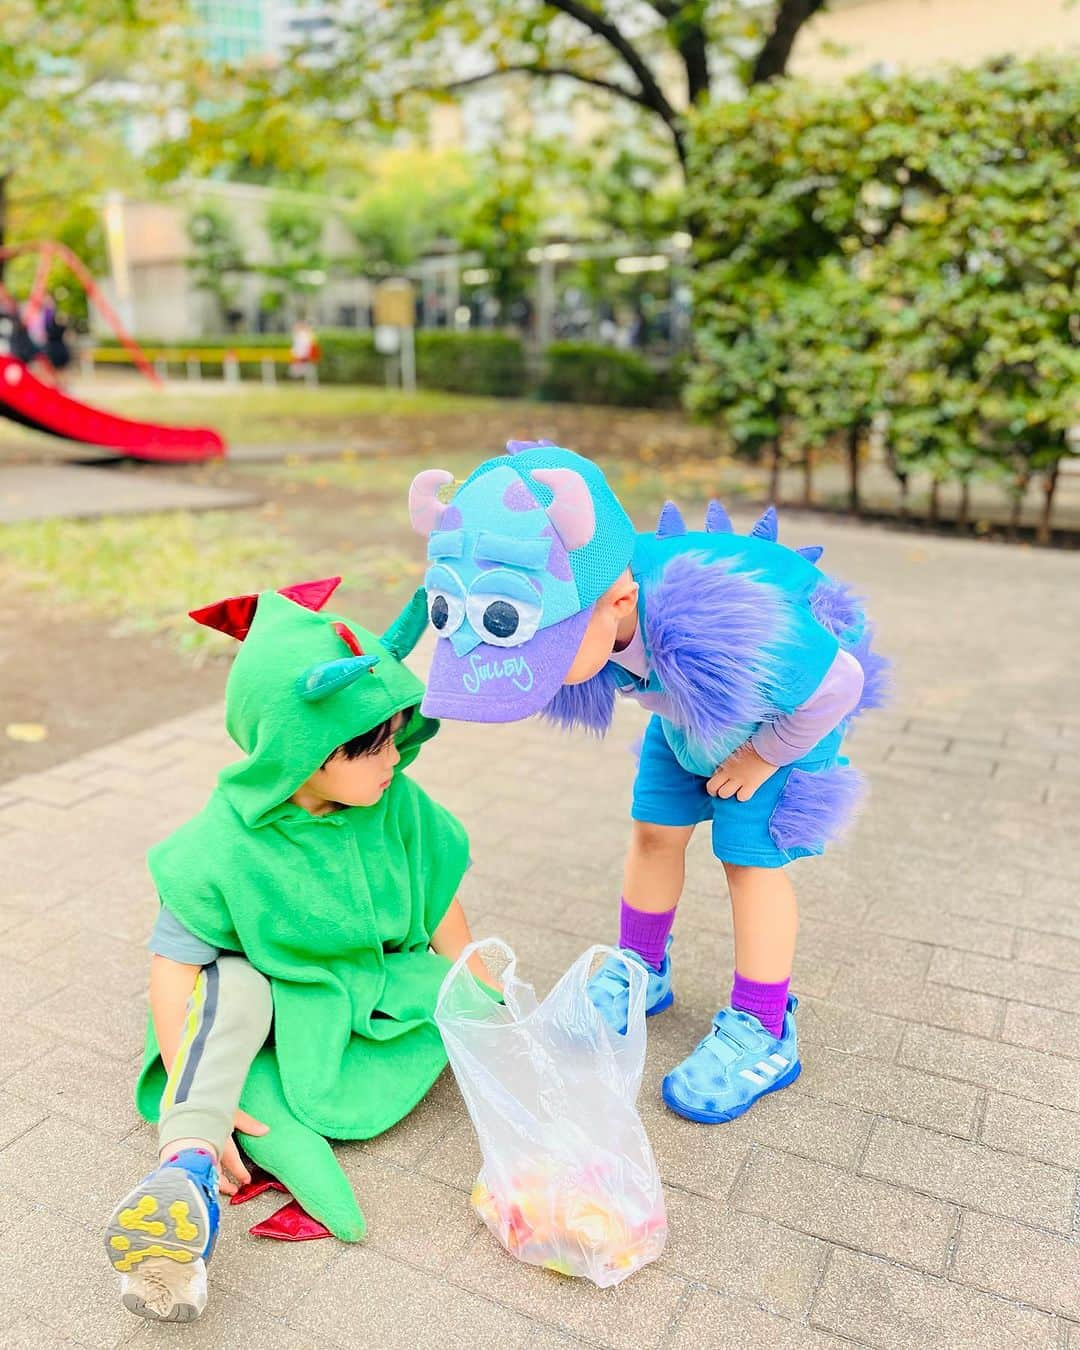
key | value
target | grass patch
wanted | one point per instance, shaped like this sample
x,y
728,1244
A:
x,y
256,414
143,574
642,483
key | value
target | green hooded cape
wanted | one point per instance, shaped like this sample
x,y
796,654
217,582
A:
x,y
336,910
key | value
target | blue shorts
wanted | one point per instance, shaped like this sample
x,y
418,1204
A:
x,y
744,833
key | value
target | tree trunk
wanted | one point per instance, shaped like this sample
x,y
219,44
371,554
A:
x,y
773,58
808,476
965,506
1019,492
935,501
905,484
854,504
1045,534
774,472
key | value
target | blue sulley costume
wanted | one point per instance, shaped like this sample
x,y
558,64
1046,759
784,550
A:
x,y
736,633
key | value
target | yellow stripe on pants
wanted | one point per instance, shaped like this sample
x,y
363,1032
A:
x,y
191,1028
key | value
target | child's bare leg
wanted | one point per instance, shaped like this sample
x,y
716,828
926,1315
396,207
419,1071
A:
x,y
656,865
765,915
652,884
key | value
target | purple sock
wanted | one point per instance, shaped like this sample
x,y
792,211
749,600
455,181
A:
x,y
645,933
767,1002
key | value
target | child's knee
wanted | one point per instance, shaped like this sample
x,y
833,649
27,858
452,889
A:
x,y
249,989
660,840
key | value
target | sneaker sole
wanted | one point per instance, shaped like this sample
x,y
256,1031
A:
x,y
719,1117
164,1218
144,1293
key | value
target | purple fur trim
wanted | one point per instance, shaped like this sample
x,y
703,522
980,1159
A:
x,y
706,631
836,607
815,807
589,705
877,675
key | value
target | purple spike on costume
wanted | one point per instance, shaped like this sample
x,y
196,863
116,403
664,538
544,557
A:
x,y
836,607
517,447
589,705
717,520
815,807
706,631
670,522
877,675
811,552
766,526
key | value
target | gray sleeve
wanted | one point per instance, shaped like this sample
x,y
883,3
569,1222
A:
x,y
175,942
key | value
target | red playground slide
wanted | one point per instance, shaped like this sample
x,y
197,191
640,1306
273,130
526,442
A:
x,y
25,399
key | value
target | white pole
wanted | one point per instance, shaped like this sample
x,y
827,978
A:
x,y
408,361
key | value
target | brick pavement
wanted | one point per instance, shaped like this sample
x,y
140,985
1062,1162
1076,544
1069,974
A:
x,y
916,1188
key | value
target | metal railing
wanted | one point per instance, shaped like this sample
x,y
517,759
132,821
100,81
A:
x,y
193,359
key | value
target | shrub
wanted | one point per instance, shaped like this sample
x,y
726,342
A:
x,y
581,372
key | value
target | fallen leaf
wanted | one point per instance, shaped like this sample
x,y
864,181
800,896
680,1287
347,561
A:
x,y
30,732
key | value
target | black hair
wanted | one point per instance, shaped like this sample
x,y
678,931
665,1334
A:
x,y
368,742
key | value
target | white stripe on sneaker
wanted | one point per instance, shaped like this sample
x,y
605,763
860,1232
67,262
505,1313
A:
x,y
753,1077
763,1066
779,1061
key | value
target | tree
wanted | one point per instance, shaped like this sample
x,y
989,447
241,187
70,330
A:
x,y
217,256
661,57
65,102
297,264
414,198
918,235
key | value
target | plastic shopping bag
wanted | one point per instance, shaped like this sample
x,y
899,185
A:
x,y
568,1181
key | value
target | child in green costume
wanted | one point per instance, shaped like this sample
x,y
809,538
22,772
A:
x,y
311,898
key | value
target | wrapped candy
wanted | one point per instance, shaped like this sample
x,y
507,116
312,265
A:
x,y
569,1181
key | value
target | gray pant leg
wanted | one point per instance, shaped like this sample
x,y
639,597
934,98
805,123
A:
x,y
226,1024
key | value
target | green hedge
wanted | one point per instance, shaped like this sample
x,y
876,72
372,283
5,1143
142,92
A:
x,y
471,363
899,251
583,372
459,363
349,357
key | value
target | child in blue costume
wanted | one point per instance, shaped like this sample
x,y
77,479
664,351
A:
x,y
753,662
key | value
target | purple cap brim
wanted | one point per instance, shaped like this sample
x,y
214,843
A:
x,y
503,684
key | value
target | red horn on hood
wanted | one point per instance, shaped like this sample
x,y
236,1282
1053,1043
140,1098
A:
x,y
236,614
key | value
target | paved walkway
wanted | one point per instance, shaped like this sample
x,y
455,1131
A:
x,y
45,491
916,1188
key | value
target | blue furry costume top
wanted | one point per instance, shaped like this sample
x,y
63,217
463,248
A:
x,y
738,631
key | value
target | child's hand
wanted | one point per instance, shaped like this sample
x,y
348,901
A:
x,y
480,970
231,1171
740,775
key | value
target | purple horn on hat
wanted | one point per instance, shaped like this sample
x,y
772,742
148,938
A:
x,y
425,509
571,510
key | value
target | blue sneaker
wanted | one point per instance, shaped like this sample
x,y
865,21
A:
x,y
161,1235
609,988
738,1062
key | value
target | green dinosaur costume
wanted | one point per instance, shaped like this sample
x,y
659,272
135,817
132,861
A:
x,y
337,911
